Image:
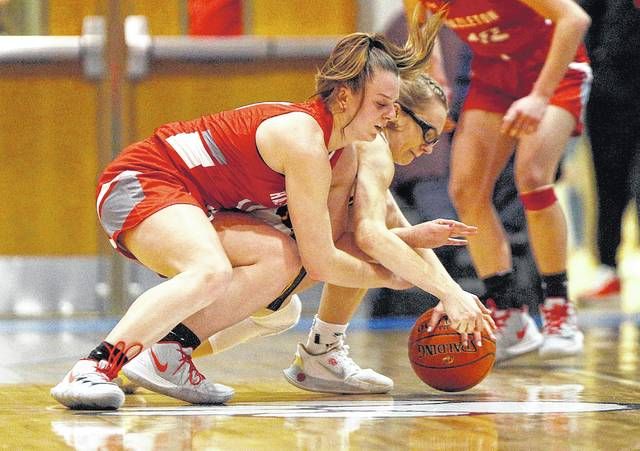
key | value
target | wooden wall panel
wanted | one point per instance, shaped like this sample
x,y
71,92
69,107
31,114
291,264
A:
x,y
47,178
165,18
49,130
170,97
65,16
303,17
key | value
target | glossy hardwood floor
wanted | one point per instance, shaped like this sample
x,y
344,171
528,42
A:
x,y
586,403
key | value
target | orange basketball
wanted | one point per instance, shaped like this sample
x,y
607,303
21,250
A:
x,y
440,361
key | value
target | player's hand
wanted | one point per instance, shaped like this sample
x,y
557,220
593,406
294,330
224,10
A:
x,y
441,232
467,315
524,115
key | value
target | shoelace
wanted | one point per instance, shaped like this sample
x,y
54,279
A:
x,y
341,354
94,378
117,358
555,317
195,376
499,316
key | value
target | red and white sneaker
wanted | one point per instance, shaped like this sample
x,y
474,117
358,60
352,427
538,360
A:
x,y
334,371
88,385
560,330
516,333
167,368
606,285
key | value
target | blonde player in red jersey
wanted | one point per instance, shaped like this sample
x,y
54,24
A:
x,y
154,201
530,78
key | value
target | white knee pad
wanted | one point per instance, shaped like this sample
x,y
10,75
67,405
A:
x,y
258,326
281,320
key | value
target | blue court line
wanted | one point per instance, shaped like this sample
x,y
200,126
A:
x,y
105,324
586,319
72,325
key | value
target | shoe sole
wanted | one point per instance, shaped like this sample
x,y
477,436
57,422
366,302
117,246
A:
x,y
522,349
172,390
546,355
108,402
560,354
291,373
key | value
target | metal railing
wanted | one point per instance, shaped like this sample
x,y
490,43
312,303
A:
x,y
87,48
143,49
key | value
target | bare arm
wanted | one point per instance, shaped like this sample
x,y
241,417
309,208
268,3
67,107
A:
x,y
293,144
372,235
429,234
571,23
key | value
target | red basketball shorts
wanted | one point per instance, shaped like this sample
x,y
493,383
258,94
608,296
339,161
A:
x,y
127,198
496,84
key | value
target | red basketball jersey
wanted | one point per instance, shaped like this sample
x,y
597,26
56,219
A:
x,y
497,28
216,156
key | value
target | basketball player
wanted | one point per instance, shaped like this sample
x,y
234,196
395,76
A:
x,y
322,364
529,82
155,198
324,360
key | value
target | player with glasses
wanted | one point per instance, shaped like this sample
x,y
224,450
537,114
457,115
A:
x,y
429,132
381,231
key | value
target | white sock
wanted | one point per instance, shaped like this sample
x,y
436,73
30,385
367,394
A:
x,y
323,335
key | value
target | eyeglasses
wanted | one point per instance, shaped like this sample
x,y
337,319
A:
x,y
429,132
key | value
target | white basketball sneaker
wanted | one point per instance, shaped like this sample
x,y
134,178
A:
x,y
501,318
334,371
517,333
560,330
88,386
167,368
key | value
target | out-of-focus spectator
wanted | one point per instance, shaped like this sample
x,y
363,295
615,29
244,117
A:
x,y
613,122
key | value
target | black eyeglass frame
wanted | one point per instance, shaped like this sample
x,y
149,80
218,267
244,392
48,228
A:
x,y
429,132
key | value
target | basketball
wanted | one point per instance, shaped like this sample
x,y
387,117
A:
x,y
441,361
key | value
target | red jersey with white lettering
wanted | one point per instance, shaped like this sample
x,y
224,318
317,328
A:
x,y
497,28
510,43
211,162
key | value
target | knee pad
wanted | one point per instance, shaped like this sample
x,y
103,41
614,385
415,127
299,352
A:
x,y
258,326
280,320
539,199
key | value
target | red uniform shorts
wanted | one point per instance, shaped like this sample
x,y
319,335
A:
x,y
127,198
497,83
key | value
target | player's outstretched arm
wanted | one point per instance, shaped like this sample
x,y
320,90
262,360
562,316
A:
x,y
375,172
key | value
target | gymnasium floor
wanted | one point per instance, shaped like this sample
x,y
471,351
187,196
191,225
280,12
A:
x,y
586,403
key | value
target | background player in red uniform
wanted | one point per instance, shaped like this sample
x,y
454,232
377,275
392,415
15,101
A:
x,y
154,198
529,82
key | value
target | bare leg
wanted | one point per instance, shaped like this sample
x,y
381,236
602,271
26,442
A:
x,y
180,243
476,162
537,160
338,304
264,262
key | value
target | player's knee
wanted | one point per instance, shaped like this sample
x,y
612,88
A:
x,y
279,321
467,199
211,280
291,261
531,179
538,199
